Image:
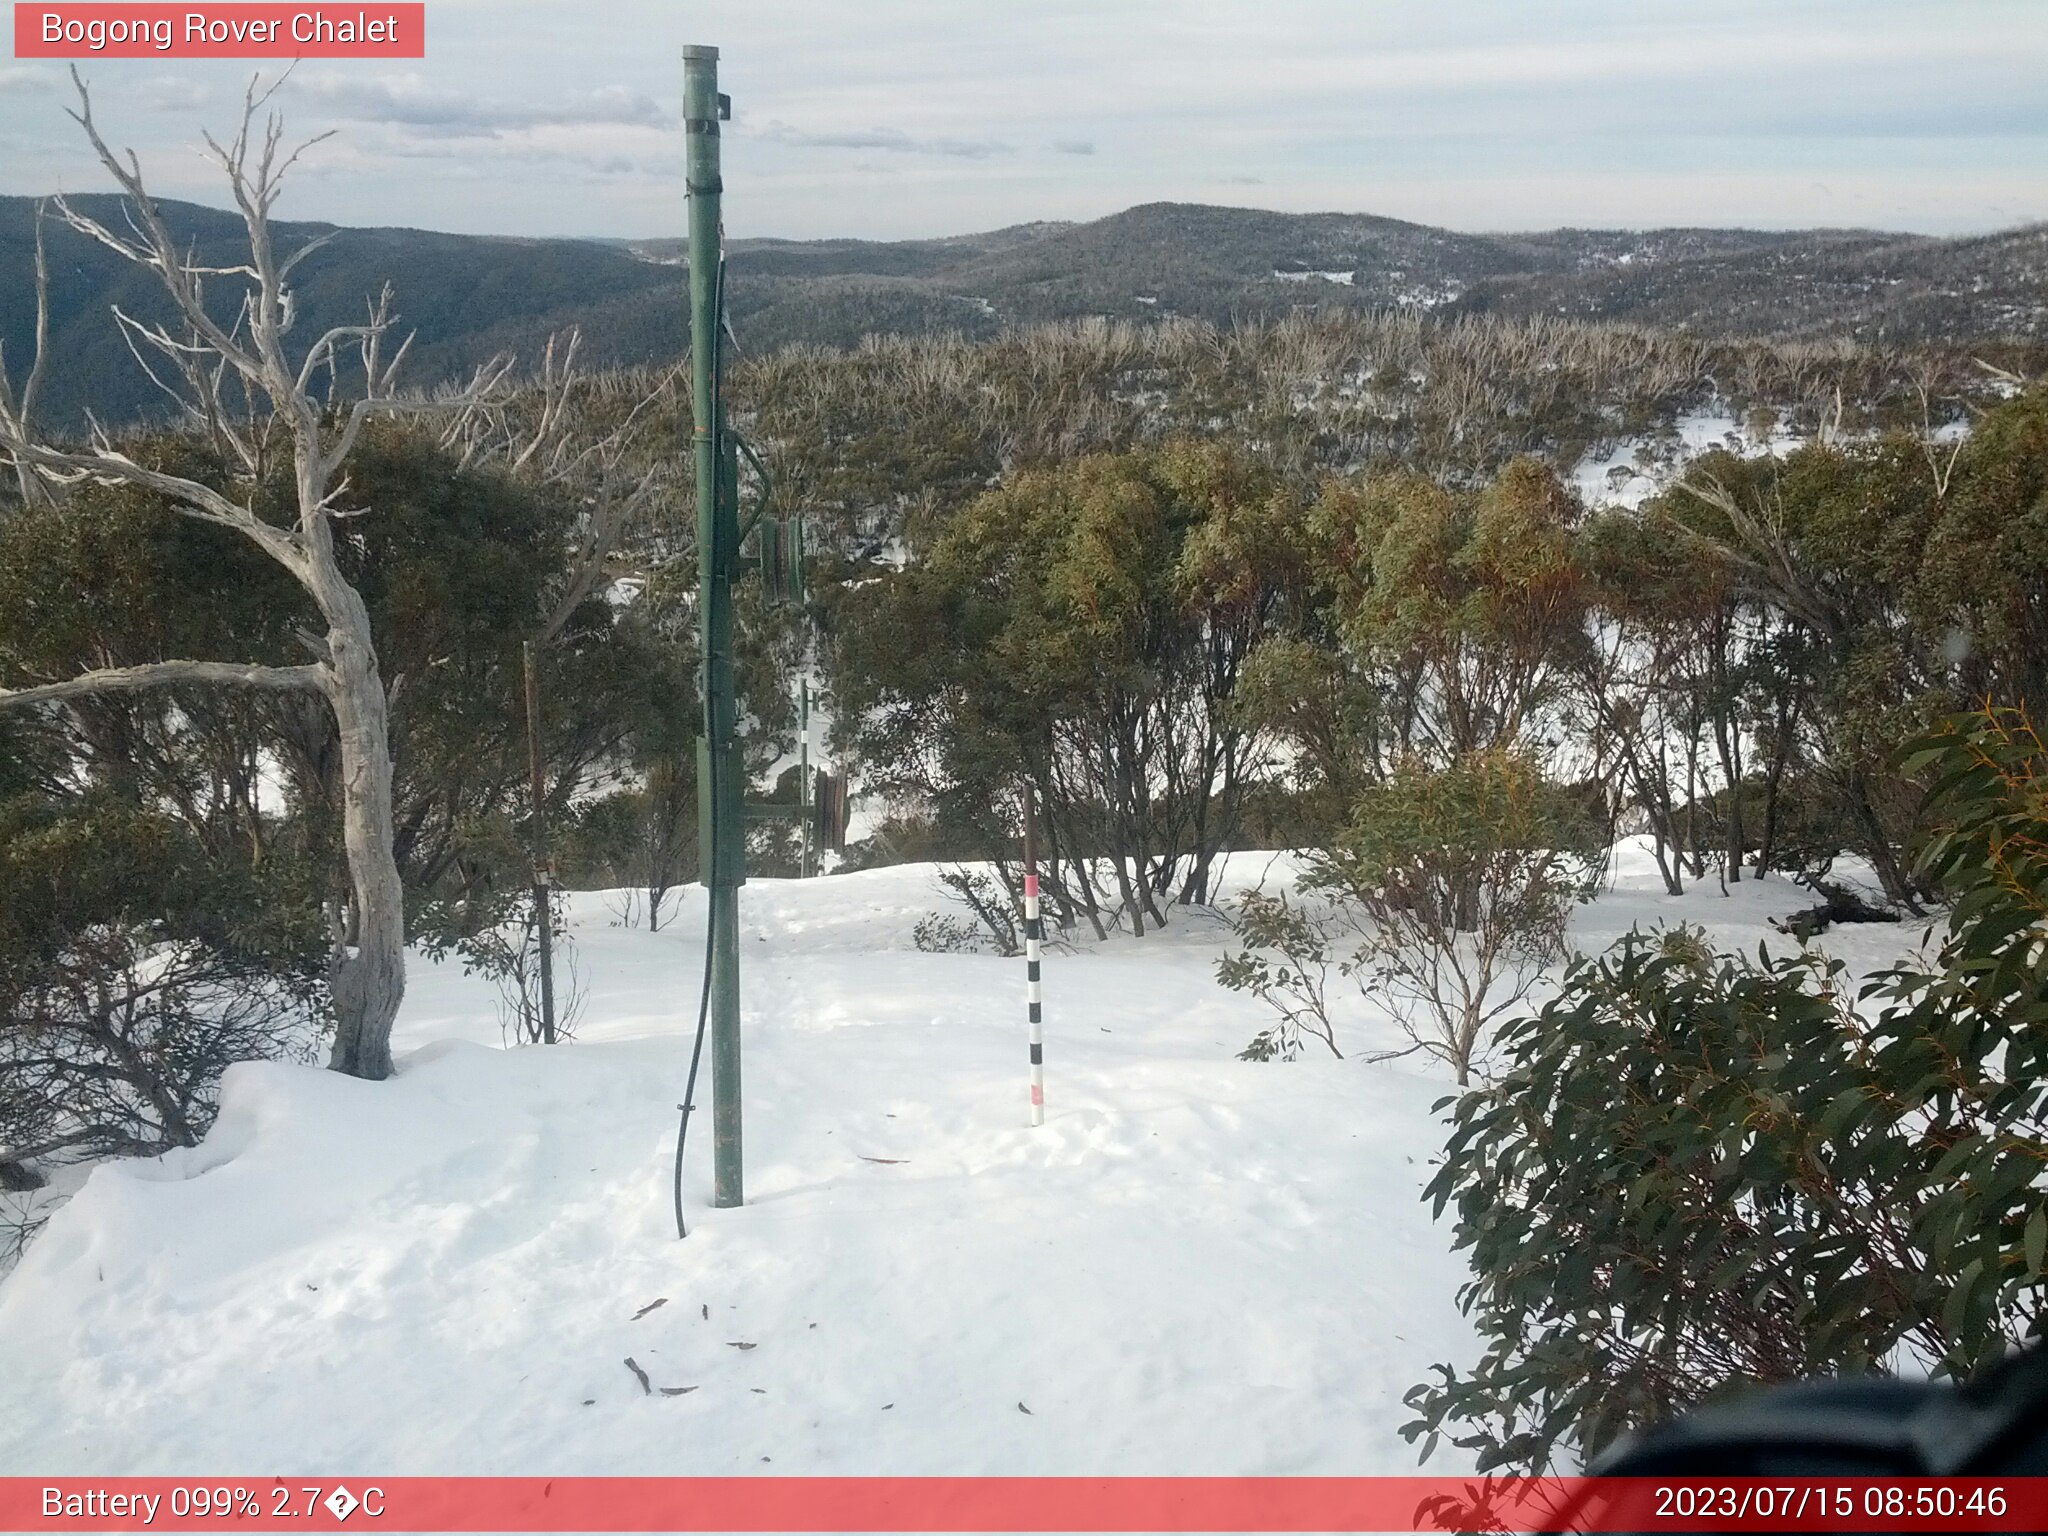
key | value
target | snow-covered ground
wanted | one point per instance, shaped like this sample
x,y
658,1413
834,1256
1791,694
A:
x,y
1627,471
1630,470
1198,1265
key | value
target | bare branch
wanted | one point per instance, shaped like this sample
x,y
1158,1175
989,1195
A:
x,y
22,409
1930,442
323,352
555,384
481,388
33,386
548,449
107,465
1761,551
2018,380
318,242
168,674
159,249
134,331
602,528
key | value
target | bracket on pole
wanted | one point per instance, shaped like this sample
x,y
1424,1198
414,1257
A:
x,y
830,810
780,545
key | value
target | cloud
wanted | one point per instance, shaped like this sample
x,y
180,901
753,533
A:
x,y
408,101
893,139
915,117
493,156
174,93
1074,146
22,79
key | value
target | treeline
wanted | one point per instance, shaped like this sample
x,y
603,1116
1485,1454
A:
x,y
1823,283
1675,1172
1204,586
870,439
1187,650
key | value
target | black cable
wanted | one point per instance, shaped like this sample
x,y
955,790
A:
x,y
696,1055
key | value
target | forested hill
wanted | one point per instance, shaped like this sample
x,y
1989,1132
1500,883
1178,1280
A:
x,y
469,296
1220,264
466,296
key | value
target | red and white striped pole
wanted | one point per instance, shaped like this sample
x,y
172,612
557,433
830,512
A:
x,y
1034,935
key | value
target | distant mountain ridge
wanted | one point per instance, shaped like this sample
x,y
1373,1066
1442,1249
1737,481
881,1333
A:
x,y
470,296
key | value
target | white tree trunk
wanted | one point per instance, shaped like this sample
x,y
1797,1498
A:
x,y
367,970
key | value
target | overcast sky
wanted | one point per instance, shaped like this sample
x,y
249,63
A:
x,y
894,118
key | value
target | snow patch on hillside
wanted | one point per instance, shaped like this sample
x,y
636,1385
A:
x,y
1631,470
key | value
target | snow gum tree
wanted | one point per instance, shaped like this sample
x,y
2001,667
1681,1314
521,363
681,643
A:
x,y
1086,627
1657,679
1864,591
1423,694
1457,612
1461,878
303,411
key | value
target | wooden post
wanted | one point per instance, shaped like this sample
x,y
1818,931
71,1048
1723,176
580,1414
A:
x,y
543,877
805,791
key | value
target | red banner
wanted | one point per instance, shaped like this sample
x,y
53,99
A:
x,y
217,31
1053,1504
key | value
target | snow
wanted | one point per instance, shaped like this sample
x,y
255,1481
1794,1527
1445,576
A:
x,y
1198,1265
1430,295
1630,470
1346,277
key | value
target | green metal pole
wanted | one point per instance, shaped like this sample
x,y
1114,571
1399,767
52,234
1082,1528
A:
x,y
721,830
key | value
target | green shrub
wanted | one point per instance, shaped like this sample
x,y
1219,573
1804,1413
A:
x,y
1704,1171
133,971
1442,899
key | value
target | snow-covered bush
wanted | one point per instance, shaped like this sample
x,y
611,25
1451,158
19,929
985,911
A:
x,y
119,1043
992,921
1701,1171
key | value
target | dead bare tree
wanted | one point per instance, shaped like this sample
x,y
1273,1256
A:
x,y
563,433
248,351
1926,383
22,406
